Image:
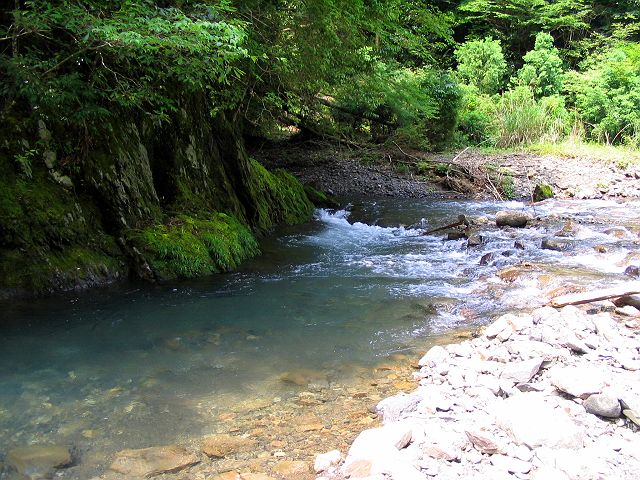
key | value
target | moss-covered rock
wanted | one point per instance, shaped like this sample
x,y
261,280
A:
x,y
541,192
187,246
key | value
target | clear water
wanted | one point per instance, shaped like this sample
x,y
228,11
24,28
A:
x,y
134,366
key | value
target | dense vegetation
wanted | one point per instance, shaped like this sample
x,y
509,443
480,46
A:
x,y
122,122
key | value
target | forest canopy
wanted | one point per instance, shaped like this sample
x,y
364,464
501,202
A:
x,y
428,74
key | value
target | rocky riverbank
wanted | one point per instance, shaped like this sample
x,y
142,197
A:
x,y
550,394
405,173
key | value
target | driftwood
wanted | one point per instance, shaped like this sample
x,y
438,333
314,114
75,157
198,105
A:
x,y
462,220
596,295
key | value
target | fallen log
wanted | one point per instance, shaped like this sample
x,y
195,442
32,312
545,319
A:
x,y
596,295
462,220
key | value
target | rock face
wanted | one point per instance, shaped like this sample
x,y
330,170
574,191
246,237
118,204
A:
x,y
38,461
147,462
136,175
512,218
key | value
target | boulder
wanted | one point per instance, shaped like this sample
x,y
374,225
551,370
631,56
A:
x,y
147,462
512,218
632,271
510,464
38,461
475,240
434,356
603,405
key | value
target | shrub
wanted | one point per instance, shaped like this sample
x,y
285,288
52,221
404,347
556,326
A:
x,y
481,63
607,96
476,115
542,70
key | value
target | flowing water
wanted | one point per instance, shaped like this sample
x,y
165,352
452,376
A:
x,y
134,366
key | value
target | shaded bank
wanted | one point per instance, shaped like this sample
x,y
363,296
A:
x,y
155,201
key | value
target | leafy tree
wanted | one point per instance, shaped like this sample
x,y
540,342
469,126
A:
x,y
78,62
481,63
607,95
542,70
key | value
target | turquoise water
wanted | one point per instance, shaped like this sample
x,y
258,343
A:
x,y
138,365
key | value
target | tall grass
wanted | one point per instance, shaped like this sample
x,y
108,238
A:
x,y
520,119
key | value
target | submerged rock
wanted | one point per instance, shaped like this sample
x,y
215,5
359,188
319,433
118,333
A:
x,y
223,445
38,461
147,462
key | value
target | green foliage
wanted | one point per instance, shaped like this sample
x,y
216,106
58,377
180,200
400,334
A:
x,y
476,115
78,62
418,106
607,95
542,70
187,246
520,119
481,63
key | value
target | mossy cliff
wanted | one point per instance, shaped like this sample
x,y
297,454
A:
x,y
180,199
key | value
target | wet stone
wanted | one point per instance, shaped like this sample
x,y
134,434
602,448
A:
x,y
38,461
220,446
151,461
555,244
292,469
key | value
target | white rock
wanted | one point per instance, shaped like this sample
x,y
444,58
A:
x,y
577,381
325,461
510,464
496,327
548,473
521,372
628,311
393,408
606,327
379,445
544,315
434,356
532,422
504,335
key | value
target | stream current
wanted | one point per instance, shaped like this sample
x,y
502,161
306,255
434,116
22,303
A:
x,y
134,366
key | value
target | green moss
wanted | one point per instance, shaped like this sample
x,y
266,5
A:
x,y
320,199
47,271
542,192
279,197
190,246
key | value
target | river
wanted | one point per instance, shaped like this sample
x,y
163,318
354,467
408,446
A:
x,y
325,305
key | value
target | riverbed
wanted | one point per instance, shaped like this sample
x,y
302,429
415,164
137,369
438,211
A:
x,y
333,311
